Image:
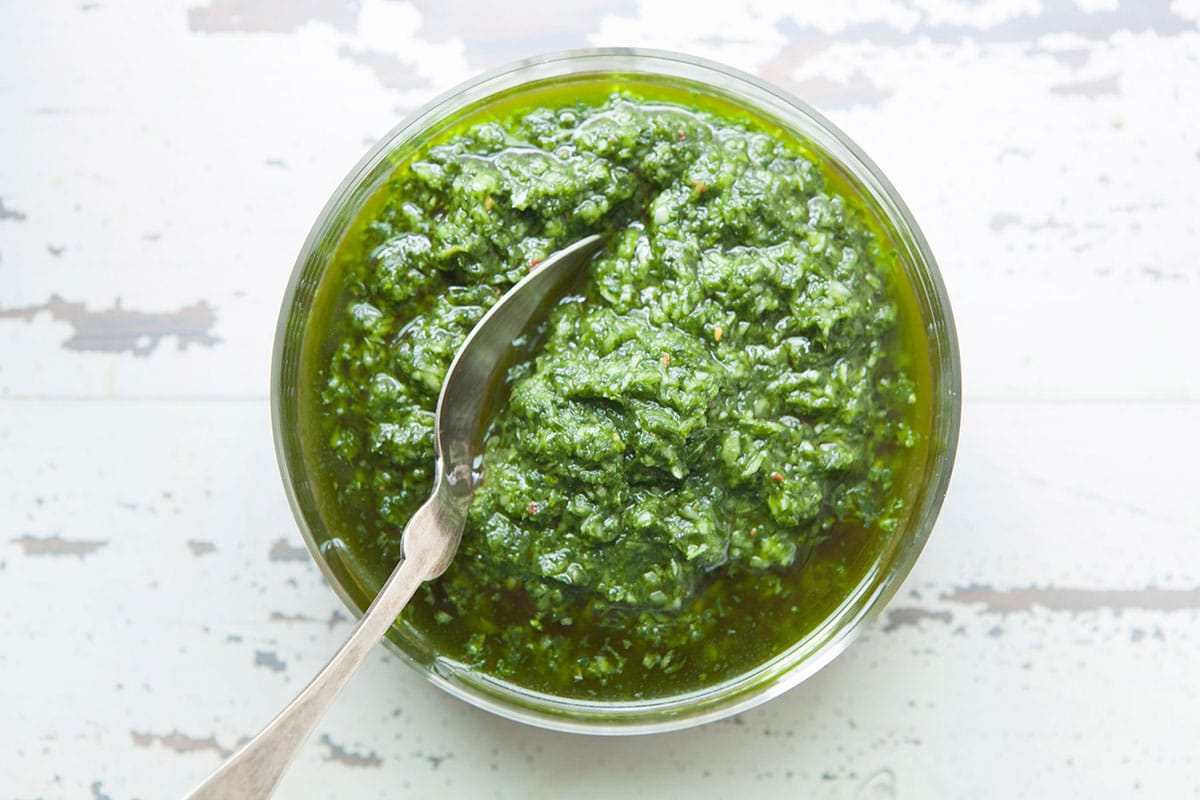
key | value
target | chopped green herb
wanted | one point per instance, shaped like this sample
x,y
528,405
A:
x,y
711,443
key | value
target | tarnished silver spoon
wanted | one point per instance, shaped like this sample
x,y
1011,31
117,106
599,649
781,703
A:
x,y
431,537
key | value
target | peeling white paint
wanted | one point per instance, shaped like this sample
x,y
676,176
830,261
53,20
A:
x,y
1095,6
979,16
1049,151
1189,9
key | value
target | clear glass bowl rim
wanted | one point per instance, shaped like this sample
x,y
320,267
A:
x,y
789,669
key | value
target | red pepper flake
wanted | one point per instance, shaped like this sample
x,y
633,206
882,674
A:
x,y
533,508
775,476
488,203
534,263
754,531
682,136
666,359
700,186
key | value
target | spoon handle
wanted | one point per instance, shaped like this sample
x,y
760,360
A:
x,y
256,768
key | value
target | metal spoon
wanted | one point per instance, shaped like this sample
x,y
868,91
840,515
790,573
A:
x,y
431,537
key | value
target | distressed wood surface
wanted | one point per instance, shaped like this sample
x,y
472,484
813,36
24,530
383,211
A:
x,y
160,164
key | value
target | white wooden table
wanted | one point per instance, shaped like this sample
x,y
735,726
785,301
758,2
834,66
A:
x,y
160,164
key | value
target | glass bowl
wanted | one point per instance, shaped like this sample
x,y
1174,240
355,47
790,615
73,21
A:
x,y
852,172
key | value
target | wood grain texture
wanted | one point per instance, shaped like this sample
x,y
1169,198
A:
x,y
160,165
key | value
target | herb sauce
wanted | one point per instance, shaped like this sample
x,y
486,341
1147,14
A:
x,y
716,438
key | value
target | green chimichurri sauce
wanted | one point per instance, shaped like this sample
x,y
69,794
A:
x,y
714,442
